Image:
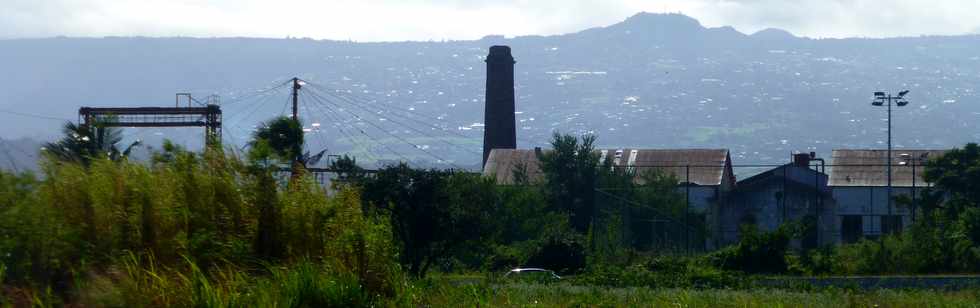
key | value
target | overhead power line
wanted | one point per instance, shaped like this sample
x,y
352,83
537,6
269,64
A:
x,y
381,111
337,124
327,105
31,115
399,138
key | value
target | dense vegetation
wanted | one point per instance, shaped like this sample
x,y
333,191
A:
x,y
214,229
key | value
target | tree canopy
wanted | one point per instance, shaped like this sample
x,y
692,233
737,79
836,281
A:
x,y
432,212
283,135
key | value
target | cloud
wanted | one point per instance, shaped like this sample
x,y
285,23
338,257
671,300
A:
x,y
374,20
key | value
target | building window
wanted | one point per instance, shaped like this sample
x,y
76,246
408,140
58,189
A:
x,y
851,228
891,224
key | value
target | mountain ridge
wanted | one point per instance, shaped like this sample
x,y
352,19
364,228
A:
x,y
677,82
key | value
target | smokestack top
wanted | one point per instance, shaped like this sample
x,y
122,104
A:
x,y
500,53
801,159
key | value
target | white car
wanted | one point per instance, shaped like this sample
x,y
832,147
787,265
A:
x,y
532,274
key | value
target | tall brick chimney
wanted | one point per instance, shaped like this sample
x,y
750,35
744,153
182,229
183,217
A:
x,y
500,130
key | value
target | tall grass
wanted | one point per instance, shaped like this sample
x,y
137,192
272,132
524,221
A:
x,y
184,231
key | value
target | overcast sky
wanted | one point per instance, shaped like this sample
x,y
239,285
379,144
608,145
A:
x,y
387,20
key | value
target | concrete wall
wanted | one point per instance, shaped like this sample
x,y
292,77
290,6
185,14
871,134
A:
x,y
701,197
868,202
769,212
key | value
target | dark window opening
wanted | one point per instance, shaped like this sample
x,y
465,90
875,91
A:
x,y
851,228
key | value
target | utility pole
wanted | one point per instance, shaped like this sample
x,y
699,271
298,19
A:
x,y
687,208
296,87
887,99
909,159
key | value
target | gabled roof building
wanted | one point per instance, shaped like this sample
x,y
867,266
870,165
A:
x,y
859,182
791,192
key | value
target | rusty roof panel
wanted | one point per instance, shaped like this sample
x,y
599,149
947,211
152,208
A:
x,y
870,168
707,166
501,164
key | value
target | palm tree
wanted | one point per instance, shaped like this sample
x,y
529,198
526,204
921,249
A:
x,y
284,135
82,143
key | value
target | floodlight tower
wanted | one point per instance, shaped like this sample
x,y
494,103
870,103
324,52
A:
x,y
883,99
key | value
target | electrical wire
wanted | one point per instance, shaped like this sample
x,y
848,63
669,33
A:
x,y
309,108
364,99
326,105
31,115
406,125
403,140
368,102
251,95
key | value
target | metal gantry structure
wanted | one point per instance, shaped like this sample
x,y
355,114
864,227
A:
x,y
348,112
207,116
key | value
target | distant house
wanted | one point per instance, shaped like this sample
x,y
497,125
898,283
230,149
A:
x,y
791,192
859,184
704,175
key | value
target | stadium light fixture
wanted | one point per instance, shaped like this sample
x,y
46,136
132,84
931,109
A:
x,y
883,99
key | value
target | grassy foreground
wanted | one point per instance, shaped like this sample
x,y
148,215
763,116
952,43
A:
x,y
309,285
522,295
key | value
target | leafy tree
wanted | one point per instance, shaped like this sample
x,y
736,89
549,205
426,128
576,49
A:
x,y
953,201
654,197
570,171
284,136
82,143
432,212
957,175
524,214
950,215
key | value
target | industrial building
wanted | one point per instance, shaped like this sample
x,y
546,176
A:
x,y
796,191
859,182
844,200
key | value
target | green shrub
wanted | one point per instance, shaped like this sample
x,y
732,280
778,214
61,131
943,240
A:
x,y
661,271
756,252
562,251
813,262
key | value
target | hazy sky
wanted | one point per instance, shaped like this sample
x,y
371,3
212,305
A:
x,y
374,20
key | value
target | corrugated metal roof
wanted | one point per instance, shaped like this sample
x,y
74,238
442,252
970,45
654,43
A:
x,y
869,167
707,166
501,164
